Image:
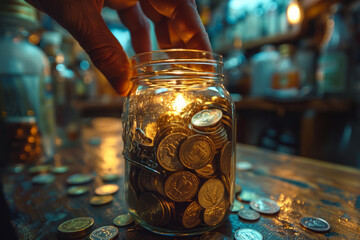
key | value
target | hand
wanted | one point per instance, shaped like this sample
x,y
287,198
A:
x,y
177,25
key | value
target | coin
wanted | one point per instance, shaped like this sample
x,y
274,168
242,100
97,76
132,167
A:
x,y
248,214
214,236
247,234
79,178
197,151
168,153
106,189
243,166
151,209
237,206
39,169
77,190
43,179
225,158
123,220
159,183
237,188
315,224
214,215
60,169
104,233
206,118
211,193
76,226
207,172
265,205
191,216
181,186
101,200
110,177
247,196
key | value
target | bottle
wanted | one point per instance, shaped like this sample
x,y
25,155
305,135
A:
x,y
286,75
332,73
179,142
26,99
262,68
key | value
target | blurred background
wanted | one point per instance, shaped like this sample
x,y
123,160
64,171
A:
x,y
292,67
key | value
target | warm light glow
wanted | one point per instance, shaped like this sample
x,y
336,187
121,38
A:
x,y
179,103
294,13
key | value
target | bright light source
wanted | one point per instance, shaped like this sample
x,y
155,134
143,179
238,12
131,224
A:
x,y
179,103
294,13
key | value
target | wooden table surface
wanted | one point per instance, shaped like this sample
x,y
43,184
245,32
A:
x,y
301,187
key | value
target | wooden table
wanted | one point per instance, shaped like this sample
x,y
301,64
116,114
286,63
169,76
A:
x,y
301,187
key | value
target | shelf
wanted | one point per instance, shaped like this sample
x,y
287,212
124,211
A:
x,y
295,105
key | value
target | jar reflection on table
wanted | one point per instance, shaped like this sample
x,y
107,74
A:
x,y
179,142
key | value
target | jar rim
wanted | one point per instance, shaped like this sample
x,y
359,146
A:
x,y
215,56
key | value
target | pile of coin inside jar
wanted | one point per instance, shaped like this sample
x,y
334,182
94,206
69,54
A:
x,y
192,156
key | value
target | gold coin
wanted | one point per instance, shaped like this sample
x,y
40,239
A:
x,y
181,186
206,118
76,225
151,209
123,220
211,193
197,151
225,159
101,200
168,153
214,215
191,216
207,172
159,183
106,189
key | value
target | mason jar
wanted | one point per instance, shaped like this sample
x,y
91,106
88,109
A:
x,y
179,142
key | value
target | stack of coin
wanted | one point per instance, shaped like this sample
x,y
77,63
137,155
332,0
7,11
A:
x,y
194,155
208,123
76,228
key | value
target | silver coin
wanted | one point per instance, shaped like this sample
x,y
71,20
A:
x,y
247,196
79,178
60,169
43,179
248,214
104,233
94,141
315,224
214,236
247,234
244,166
109,177
123,220
237,206
265,205
77,190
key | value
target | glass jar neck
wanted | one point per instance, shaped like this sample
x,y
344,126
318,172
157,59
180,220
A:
x,y
177,66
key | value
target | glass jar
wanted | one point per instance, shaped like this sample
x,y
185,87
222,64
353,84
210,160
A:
x,y
179,142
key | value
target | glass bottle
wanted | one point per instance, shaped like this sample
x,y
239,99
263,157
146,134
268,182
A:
x,y
26,99
179,142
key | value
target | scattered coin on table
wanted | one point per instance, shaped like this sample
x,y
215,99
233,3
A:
x,y
77,190
315,224
39,169
101,200
94,141
17,168
43,179
237,206
104,233
214,236
79,178
123,220
106,189
76,228
110,177
247,196
60,169
247,234
243,166
248,214
265,205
